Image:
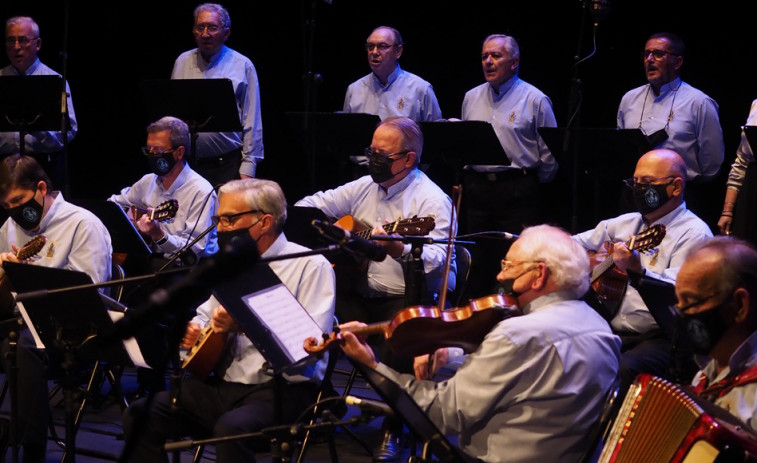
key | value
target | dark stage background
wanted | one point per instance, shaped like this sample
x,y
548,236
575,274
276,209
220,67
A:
x,y
113,46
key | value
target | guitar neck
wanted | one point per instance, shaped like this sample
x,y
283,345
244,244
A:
x,y
366,234
601,268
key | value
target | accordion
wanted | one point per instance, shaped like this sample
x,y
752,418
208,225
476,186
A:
x,y
660,422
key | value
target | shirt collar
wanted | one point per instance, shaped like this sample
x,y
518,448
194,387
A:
x,y
277,248
213,59
673,85
57,201
391,79
180,179
504,88
29,71
671,216
542,301
401,185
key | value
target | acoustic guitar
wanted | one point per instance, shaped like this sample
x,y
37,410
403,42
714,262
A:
x,y
165,212
608,282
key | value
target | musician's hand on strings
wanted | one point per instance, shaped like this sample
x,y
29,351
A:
x,y
191,335
425,370
393,248
355,347
150,228
9,256
625,259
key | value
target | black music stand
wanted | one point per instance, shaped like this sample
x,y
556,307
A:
x,y
329,139
434,442
206,105
299,228
30,104
593,162
66,324
449,146
125,238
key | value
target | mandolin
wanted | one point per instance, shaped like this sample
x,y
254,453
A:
x,y
608,282
203,356
31,248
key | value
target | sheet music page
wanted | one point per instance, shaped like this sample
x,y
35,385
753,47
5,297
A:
x,y
132,348
285,317
29,324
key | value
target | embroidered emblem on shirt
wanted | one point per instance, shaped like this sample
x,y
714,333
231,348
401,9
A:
x,y
51,250
655,253
671,116
400,104
512,117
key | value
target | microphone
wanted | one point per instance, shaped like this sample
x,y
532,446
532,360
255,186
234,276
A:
x,y
370,249
371,406
599,9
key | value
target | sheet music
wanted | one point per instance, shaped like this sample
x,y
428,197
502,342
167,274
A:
x,y
285,318
132,348
28,322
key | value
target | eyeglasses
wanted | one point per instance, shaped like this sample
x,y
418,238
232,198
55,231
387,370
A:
x,y
22,40
381,46
211,28
683,308
152,151
632,182
228,220
394,156
657,54
507,264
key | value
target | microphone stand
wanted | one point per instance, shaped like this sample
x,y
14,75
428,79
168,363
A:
x,y
187,248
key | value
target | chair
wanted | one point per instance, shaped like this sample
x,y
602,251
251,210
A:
x,y
463,265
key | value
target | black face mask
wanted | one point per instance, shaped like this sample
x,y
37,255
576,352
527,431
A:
x,y
506,286
649,198
28,215
380,168
161,165
704,329
232,240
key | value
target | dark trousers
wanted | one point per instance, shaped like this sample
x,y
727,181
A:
x,y
33,410
211,408
652,353
219,170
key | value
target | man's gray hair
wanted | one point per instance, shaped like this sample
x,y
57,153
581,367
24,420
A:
x,y
261,195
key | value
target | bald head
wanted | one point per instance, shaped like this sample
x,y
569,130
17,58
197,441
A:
x,y
662,163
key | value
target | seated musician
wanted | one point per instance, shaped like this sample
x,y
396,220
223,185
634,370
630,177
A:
x,y
239,396
657,186
717,295
536,385
75,239
171,179
395,189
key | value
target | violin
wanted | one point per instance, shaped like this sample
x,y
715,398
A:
x,y
421,329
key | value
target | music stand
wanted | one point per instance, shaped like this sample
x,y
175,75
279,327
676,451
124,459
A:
x,y
329,139
449,146
414,417
66,324
299,228
30,103
125,238
206,105
601,157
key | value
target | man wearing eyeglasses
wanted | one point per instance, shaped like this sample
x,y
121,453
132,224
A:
x,y
171,178
717,300
389,90
22,43
394,189
224,156
536,384
657,187
239,396
675,115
